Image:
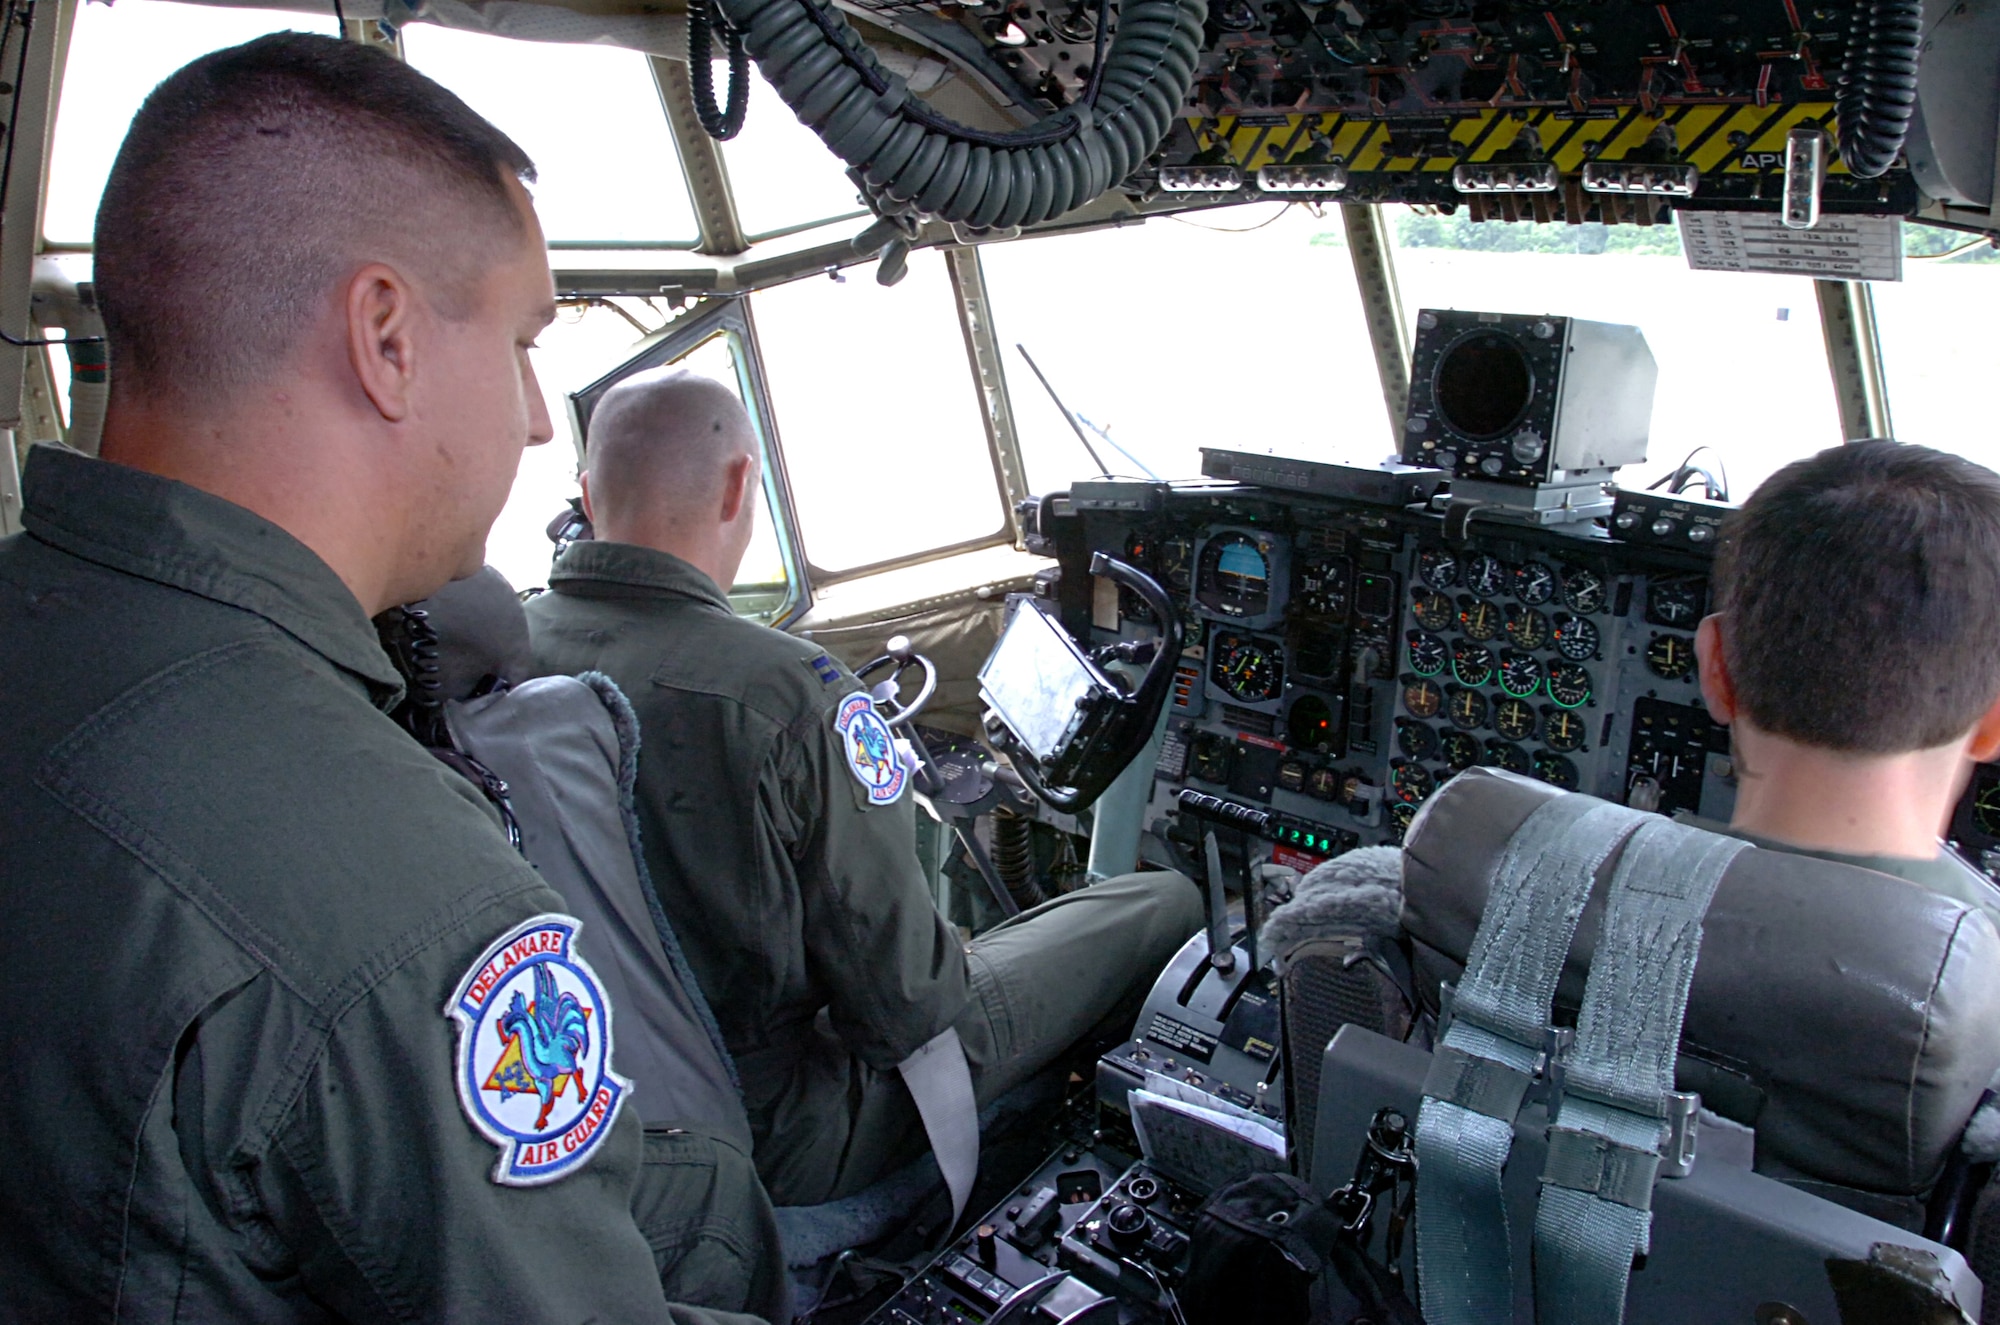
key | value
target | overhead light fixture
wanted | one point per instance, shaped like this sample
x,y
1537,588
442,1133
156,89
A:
x,y
1805,173
1200,179
1652,181
1302,179
1505,177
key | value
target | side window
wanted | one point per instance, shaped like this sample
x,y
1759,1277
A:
x,y
713,341
1934,359
879,417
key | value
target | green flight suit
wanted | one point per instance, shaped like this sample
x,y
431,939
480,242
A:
x,y
237,899
801,904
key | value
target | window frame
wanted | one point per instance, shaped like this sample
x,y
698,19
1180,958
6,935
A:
x,y
722,316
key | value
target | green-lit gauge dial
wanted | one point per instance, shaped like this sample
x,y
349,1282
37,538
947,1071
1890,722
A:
x,y
1563,730
1412,783
1527,628
1415,739
1514,719
1487,575
1427,654
1210,756
1520,675
1466,708
1292,774
1323,783
1582,589
1534,583
1555,770
1471,664
1433,610
1459,751
1670,656
1503,754
1423,698
1247,669
1480,619
1437,567
1577,638
1569,685
1400,819
1986,805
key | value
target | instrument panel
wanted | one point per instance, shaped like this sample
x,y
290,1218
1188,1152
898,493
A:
x,y
1344,661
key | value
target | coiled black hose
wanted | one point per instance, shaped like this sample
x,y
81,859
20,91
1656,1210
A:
x,y
1014,856
1878,83
724,123
907,153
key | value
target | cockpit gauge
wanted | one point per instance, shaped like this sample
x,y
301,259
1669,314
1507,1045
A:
x,y
1501,754
1292,774
1466,709
1527,628
1174,554
1402,816
1424,699
1412,783
1514,719
1437,567
1555,770
1458,750
1564,731
1209,757
1471,664
1324,588
1670,656
1433,610
1427,653
1569,685
1577,638
1248,669
1534,583
1234,577
1582,589
1520,675
1986,807
1480,619
1416,740
1309,726
1675,602
1487,575
1323,783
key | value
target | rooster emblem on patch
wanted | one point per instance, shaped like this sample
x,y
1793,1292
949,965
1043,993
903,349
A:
x,y
547,1041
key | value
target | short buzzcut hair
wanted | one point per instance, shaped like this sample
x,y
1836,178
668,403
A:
x,y
1860,591
256,178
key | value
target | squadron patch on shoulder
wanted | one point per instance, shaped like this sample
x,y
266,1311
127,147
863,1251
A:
x,y
534,1052
870,750
825,669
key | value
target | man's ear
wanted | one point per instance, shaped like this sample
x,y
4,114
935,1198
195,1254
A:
x,y
380,308
1985,746
583,481
736,486
1718,688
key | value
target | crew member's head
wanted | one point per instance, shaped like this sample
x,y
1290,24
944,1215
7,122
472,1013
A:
x,y
671,464
320,276
1857,598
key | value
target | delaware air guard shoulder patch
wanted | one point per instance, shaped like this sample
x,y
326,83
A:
x,y
870,750
534,1052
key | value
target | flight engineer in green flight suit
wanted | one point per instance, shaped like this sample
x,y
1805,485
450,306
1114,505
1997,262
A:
x,y
784,853
291,1032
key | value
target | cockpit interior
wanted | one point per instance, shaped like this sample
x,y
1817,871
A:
x,y
1281,429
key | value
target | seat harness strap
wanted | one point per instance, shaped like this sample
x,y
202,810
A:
x,y
1492,1049
940,1082
1614,1116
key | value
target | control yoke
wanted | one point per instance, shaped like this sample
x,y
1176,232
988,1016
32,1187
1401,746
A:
x,y
902,656
1069,726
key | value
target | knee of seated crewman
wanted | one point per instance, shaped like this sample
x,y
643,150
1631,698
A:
x,y
710,1225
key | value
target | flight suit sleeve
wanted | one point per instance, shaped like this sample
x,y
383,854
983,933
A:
x,y
380,1196
894,969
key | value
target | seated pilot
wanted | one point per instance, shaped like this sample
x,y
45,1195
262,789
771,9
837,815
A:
x,y
786,862
1855,654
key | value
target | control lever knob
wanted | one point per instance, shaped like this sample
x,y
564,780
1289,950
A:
x,y
987,1240
1127,1225
900,648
